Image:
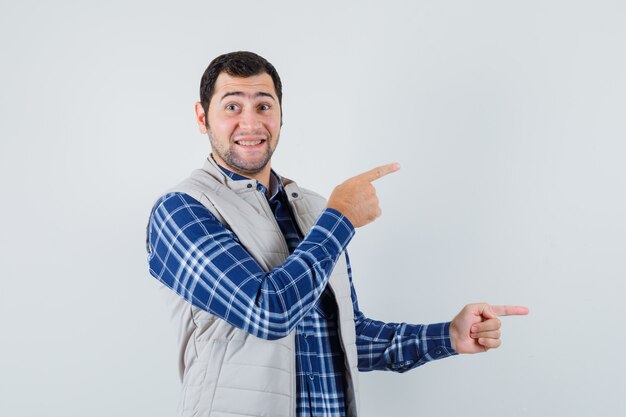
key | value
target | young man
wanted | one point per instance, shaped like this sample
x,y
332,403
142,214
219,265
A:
x,y
269,323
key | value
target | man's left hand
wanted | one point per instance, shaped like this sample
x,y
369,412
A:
x,y
477,327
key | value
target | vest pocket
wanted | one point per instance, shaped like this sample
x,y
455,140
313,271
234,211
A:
x,y
215,359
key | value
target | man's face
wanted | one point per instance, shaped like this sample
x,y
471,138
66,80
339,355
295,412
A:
x,y
244,122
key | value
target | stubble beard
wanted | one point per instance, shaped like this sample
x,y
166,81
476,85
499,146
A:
x,y
236,162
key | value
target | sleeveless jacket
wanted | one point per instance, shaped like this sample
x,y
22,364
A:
x,y
226,371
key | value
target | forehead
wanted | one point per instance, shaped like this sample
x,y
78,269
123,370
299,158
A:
x,y
260,83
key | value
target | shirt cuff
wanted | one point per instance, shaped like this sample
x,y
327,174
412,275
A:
x,y
438,344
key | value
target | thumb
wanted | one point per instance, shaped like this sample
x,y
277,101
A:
x,y
487,312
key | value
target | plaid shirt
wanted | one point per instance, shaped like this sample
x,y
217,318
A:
x,y
183,233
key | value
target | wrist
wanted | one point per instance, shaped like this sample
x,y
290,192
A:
x,y
453,336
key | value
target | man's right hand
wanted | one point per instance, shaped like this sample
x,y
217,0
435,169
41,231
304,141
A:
x,y
356,198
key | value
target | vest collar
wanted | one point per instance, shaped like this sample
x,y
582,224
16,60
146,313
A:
x,y
239,186
211,167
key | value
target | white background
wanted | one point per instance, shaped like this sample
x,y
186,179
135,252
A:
x,y
508,120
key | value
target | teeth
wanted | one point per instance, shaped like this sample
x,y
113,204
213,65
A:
x,y
249,142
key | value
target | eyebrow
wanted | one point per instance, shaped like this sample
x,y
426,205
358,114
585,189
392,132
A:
x,y
240,93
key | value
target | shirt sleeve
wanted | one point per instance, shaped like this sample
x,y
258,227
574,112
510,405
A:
x,y
192,253
397,347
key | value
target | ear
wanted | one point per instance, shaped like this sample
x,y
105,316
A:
x,y
201,118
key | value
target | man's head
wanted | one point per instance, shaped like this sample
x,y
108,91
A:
x,y
241,64
240,110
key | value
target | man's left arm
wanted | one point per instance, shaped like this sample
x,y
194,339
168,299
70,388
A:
x,y
400,347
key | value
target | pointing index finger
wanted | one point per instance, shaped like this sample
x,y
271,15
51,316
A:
x,y
379,172
510,310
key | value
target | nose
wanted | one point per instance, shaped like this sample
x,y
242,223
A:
x,y
250,120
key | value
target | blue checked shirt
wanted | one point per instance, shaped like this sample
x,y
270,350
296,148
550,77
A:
x,y
182,231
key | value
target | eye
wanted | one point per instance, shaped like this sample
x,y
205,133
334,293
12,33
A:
x,y
232,107
264,107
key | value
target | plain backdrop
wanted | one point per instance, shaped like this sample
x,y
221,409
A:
x,y
508,118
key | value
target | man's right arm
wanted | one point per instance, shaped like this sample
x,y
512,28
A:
x,y
192,253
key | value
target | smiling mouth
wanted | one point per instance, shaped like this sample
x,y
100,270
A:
x,y
249,142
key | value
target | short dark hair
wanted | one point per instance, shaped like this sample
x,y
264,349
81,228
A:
x,y
237,64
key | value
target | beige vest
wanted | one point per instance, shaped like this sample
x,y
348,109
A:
x,y
226,371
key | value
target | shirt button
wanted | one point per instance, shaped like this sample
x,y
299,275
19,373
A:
x,y
294,195
311,377
438,352
249,185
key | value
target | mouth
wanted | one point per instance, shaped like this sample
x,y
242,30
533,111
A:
x,y
250,142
